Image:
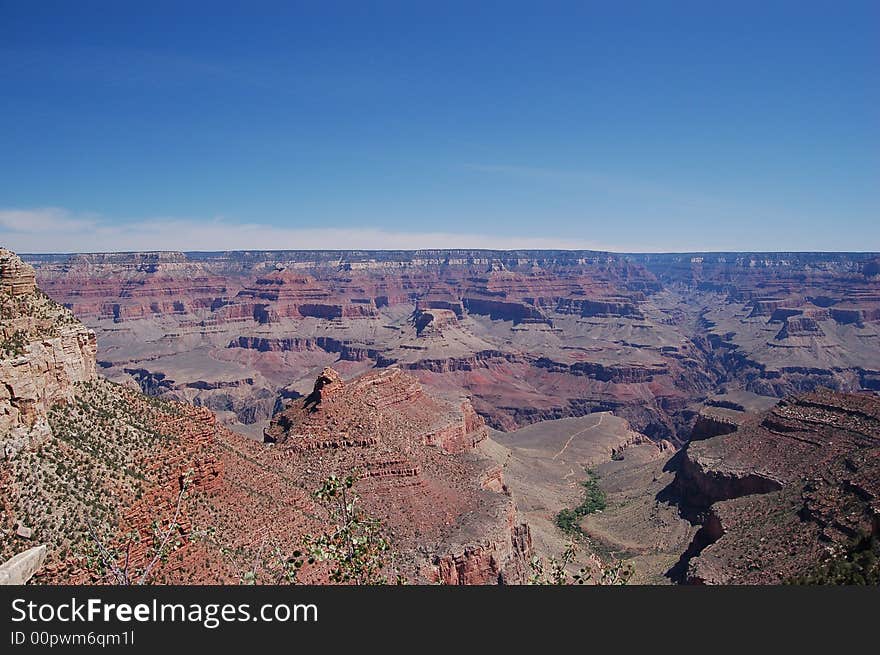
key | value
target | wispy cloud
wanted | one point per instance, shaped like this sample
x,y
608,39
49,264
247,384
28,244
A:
x,y
44,221
58,230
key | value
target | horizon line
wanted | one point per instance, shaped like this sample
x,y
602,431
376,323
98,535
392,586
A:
x,y
452,250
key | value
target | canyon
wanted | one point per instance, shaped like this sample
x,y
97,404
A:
x,y
783,493
527,339
526,335
87,462
720,401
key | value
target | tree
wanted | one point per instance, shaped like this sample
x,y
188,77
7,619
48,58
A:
x,y
556,570
356,548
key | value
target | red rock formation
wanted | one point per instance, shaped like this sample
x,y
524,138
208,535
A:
x,y
398,440
644,335
238,502
134,286
499,560
606,307
134,457
782,491
353,308
433,321
285,294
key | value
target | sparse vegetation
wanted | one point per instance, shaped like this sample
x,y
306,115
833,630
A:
x,y
607,570
27,318
97,463
857,564
116,563
353,550
14,345
556,570
568,520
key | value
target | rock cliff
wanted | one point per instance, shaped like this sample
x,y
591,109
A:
x,y
787,489
44,351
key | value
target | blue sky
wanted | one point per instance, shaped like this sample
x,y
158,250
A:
x,y
632,126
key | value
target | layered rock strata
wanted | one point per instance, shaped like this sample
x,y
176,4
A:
x,y
44,351
252,323
414,456
111,463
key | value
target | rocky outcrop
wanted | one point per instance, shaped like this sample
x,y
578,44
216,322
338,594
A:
x,y
619,307
500,559
449,304
44,351
781,492
461,436
712,424
285,294
478,360
16,277
606,373
277,344
433,321
22,567
328,384
765,306
698,485
724,413
346,350
503,310
800,326
414,457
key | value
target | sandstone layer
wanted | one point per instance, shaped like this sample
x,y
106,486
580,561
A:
x,y
783,323
44,350
527,335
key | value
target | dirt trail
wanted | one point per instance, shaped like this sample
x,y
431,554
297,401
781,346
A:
x,y
587,429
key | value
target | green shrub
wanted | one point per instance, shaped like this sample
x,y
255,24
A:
x,y
568,520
